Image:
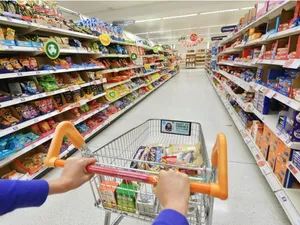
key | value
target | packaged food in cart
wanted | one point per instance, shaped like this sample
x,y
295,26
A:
x,y
128,167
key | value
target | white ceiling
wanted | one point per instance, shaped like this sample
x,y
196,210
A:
x,y
142,10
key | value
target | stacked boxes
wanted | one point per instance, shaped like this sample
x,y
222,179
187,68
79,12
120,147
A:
x,y
108,193
261,102
126,197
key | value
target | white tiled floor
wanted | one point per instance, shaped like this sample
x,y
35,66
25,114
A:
x,y
188,96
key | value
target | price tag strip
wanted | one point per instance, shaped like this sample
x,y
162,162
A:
x,y
287,204
294,170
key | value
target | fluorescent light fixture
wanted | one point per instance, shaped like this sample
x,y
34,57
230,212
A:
x,y
141,33
247,8
147,20
157,38
191,28
219,11
159,31
220,25
181,16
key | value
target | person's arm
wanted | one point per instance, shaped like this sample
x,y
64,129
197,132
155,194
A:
x,y
173,192
19,194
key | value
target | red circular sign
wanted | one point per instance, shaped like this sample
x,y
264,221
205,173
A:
x,y
194,37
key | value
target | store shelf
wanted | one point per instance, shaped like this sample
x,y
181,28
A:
x,y
111,85
43,72
290,202
271,62
288,198
27,123
294,170
270,120
243,84
150,56
288,4
47,94
238,64
273,94
230,51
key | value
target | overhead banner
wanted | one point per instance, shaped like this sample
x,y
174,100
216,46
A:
x,y
193,37
217,38
228,28
123,22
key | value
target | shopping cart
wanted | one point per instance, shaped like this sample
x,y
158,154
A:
x,y
124,175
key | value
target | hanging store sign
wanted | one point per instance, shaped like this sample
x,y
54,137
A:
x,y
228,28
123,22
52,49
217,38
156,49
133,56
193,37
104,39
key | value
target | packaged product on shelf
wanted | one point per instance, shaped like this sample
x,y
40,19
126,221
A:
x,y
30,164
296,159
12,175
9,117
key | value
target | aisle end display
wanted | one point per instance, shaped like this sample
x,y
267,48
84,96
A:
x,y
88,72
256,76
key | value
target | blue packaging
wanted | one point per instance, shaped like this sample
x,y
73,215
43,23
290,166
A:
x,y
23,43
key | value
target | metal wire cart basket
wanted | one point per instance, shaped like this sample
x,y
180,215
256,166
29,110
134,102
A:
x,y
127,168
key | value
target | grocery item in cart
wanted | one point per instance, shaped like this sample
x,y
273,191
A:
x,y
126,197
108,193
189,154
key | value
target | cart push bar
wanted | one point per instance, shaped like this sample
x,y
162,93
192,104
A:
x,y
219,160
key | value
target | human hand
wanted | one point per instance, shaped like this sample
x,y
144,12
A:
x,y
73,175
173,190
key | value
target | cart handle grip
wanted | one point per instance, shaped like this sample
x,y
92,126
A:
x,y
219,160
65,128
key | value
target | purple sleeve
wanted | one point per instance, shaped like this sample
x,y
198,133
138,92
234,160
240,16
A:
x,y
18,194
170,217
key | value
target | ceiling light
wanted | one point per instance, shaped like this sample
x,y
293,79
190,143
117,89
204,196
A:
x,y
219,11
221,25
247,8
161,38
141,33
182,16
159,31
148,20
186,28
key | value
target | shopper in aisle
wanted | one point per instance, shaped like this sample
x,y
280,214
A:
x,y
172,191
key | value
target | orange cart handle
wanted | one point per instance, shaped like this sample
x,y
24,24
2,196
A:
x,y
219,160
65,128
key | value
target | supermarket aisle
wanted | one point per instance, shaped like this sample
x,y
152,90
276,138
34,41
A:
x,y
188,96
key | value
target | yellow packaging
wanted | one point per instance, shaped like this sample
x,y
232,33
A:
x,y
251,31
2,34
10,34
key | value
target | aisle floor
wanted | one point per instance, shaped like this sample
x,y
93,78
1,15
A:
x,y
188,96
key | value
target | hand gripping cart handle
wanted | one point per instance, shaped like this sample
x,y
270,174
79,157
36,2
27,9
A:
x,y
219,160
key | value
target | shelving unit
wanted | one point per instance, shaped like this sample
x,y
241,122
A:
x,y
200,57
233,59
208,60
161,73
288,198
190,60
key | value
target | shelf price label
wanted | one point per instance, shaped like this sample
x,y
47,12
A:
x,y
292,63
74,88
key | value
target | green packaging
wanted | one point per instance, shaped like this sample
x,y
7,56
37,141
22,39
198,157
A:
x,y
126,197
